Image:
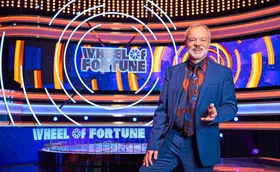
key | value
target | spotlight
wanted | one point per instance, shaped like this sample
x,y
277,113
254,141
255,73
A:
x,y
37,6
134,119
221,135
14,24
235,119
77,13
255,151
55,118
85,118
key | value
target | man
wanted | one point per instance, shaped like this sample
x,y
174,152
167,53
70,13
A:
x,y
196,96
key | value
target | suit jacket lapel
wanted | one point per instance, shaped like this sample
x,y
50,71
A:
x,y
207,78
180,75
178,88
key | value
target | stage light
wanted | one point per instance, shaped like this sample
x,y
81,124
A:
x,y
77,13
55,118
221,135
37,6
182,11
235,119
18,3
14,24
255,151
79,4
134,119
85,118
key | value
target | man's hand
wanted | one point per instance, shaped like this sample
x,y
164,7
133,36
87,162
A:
x,y
148,157
212,113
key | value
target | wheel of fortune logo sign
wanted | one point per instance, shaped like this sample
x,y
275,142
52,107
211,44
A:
x,y
111,59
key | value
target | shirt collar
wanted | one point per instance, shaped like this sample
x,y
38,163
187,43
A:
x,y
200,64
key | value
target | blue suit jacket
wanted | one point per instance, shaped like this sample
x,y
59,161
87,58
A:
x,y
217,88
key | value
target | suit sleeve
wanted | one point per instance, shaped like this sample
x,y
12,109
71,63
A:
x,y
159,119
228,109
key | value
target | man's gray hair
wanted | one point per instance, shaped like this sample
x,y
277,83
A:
x,y
197,25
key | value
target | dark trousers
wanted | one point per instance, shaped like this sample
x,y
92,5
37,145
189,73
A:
x,y
177,149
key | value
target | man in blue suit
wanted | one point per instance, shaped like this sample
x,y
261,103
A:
x,y
196,96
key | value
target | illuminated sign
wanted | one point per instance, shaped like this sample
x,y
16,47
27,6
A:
x,y
88,133
111,59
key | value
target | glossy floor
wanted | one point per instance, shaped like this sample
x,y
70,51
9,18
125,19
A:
x,y
226,165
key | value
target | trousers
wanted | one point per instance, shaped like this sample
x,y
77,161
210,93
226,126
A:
x,y
177,149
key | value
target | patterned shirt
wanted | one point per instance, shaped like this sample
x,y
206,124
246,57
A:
x,y
182,109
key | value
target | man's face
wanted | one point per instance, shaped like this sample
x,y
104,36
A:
x,y
197,43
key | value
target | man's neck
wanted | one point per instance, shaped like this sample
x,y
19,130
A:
x,y
197,61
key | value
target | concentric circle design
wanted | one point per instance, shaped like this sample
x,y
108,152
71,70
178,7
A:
x,y
134,54
134,51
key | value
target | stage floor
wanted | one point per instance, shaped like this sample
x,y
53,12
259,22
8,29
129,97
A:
x,y
261,164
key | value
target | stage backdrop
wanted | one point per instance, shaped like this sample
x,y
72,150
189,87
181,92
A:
x,y
254,63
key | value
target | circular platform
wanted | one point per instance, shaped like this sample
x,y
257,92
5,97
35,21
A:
x,y
128,156
98,156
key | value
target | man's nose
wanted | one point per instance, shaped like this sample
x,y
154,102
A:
x,y
197,42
